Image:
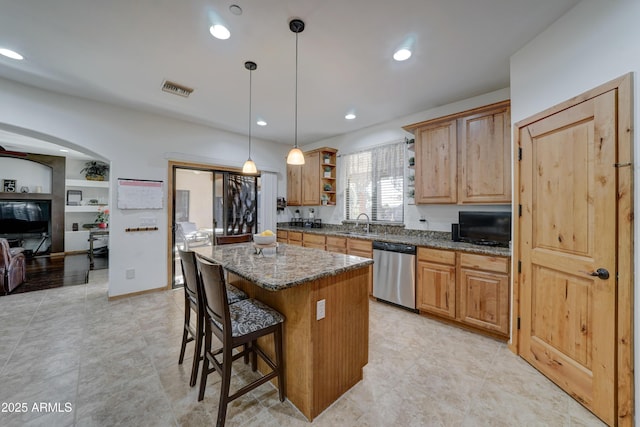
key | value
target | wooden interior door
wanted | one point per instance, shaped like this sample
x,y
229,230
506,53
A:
x,y
568,229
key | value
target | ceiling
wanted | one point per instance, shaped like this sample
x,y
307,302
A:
x,y
121,51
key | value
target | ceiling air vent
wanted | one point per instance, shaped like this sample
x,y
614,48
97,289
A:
x,y
176,89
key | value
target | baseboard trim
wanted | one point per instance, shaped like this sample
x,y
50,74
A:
x,y
133,294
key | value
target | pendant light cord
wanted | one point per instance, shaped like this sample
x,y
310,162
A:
x,y
250,73
296,102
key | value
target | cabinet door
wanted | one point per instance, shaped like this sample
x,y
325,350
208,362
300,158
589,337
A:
x,y
283,236
436,289
362,248
484,300
311,179
485,158
435,163
294,185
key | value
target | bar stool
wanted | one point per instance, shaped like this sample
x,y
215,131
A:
x,y
239,324
193,302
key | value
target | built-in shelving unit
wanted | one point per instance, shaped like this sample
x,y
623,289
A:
x,y
328,181
411,171
85,213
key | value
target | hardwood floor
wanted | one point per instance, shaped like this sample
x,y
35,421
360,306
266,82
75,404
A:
x,y
52,272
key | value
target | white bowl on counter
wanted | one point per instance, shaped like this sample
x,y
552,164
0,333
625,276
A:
x,y
264,240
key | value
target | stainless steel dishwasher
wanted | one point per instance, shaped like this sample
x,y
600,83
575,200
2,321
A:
x,y
394,273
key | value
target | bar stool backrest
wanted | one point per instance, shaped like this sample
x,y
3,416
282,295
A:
x,y
215,297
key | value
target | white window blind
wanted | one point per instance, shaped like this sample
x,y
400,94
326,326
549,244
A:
x,y
374,183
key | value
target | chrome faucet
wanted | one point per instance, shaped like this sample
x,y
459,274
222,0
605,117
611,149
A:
x,y
367,226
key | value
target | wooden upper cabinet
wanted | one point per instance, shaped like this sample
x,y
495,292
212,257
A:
x,y
294,185
313,183
464,157
311,179
484,157
436,163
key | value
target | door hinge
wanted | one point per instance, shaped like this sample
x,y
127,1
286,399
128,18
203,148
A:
x,y
518,322
519,210
519,153
519,266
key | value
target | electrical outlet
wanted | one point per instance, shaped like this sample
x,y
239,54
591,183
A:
x,y
131,273
320,307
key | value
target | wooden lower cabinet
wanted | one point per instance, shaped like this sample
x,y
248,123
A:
x,y
469,289
294,238
316,241
484,292
363,248
336,244
283,236
436,279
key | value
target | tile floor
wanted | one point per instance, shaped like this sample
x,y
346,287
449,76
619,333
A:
x,y
115,364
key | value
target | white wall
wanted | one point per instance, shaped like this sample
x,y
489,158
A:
x,y
438,217
138,146
597,41
35,176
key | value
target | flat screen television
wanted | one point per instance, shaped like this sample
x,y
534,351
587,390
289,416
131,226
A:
x,y
485,228
23,217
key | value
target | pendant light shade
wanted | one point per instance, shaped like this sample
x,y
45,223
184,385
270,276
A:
x,y
295,156
249,166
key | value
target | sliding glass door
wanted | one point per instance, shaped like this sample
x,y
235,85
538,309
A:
x,y
209,203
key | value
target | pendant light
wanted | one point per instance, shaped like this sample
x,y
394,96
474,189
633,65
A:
x,y
295,156
249,166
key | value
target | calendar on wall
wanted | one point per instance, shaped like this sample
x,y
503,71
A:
x,y
140,194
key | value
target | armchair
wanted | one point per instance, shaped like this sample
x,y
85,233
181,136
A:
x,y
13,270
191,236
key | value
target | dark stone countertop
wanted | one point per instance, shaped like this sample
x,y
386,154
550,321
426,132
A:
x,y
277,270
429,239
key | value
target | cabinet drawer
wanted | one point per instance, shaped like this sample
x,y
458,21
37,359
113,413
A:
x,y
295,236
484,262
363,248
437,255
283,234
336,244
314,239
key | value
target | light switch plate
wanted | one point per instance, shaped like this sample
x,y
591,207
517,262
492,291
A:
x,y
320,308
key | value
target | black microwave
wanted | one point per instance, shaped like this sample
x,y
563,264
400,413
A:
x,y
485,228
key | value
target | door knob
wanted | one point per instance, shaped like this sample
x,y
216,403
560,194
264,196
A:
x,y
601,273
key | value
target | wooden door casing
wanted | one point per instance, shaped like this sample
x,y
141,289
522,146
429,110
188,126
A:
x,y
568,197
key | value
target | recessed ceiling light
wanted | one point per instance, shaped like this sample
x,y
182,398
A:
x,y
11,54
261,123
402,54
220,32
350,116
235,9
64,150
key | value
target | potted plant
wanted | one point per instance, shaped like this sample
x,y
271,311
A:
x,y
412,161
95,170
103,218
325,199
327,157
327,187
327,172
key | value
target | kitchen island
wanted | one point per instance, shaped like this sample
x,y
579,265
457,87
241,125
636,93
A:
x,y
324,298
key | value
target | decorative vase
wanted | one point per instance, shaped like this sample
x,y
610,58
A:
x,y
102,225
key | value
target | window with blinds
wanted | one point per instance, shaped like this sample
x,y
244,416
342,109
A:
x,y
375,182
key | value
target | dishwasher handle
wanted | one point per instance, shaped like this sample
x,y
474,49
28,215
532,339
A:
x,y
394,247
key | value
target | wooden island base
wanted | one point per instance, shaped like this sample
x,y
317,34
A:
x,y
323,358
